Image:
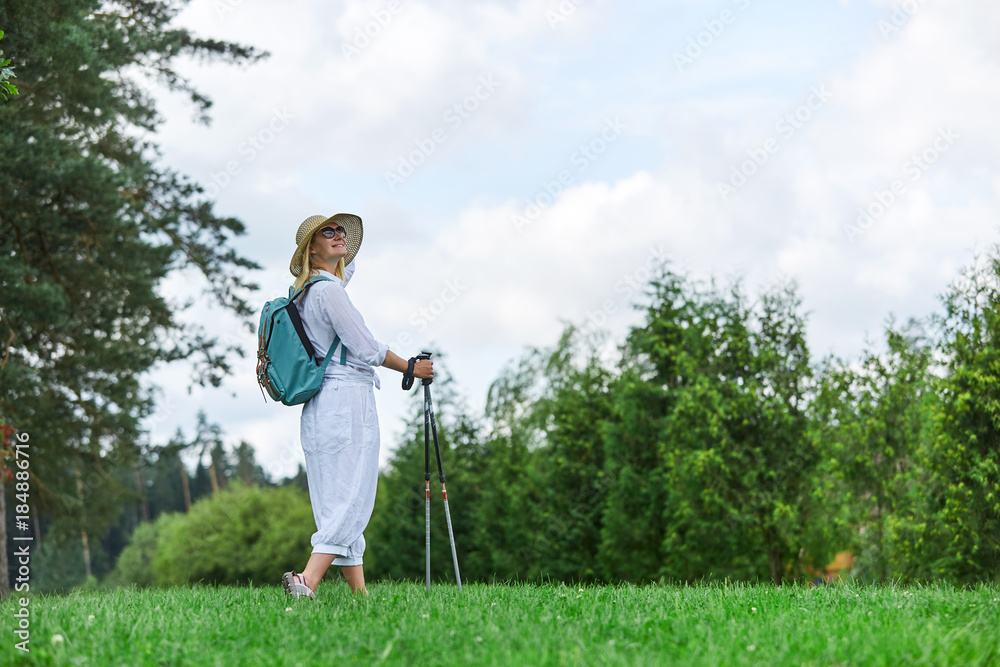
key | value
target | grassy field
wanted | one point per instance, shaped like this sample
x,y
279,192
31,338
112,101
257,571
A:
x,y
399,623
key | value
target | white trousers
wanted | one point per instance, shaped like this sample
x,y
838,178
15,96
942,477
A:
x,y
340,440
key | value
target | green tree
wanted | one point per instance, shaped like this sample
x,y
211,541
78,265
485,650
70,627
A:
x,y
644,394
299,480
90,226
135,564
246,468
712,412
6,72
208,440
395,534
569,463
509,526
876,422
167,479
954,530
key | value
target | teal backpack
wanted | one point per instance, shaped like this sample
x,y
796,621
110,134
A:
x,y
287,366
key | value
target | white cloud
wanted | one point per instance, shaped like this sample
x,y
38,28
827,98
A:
x,y
888,103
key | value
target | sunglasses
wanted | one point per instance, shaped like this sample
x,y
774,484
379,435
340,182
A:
x,y
330,232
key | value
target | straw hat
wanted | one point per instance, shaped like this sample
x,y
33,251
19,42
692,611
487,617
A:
x,y
303,237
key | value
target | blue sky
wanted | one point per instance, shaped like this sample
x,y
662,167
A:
x,y
892,80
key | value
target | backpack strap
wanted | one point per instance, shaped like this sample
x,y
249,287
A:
x,y
333,346
293,315
326,361
292,294
299,329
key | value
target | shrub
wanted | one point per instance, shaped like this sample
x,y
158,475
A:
x,y
239,535
135,564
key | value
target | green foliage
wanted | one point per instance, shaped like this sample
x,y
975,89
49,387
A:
x,y
90,227
954,530
59,566
571,471
634,526
873,419
507,523
246,468
395,534
6,88
165,489
711,408
717,450
135,564
236,536
537,484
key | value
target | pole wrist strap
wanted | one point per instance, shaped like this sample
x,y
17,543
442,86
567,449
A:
x,y
408,375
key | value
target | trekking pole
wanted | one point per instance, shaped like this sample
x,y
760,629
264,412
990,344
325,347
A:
x,y
427,477
432,422
444,491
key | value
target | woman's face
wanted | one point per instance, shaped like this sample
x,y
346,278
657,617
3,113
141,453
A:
x,y
328,245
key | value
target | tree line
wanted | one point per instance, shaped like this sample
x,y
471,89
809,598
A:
x,y
709,445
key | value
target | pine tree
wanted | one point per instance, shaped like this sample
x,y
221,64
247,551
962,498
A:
x,y
246,468
634,525
875,436
90,226
574,406
395,534
954,531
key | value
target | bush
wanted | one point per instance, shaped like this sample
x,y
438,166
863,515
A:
x,y
239,535
135,564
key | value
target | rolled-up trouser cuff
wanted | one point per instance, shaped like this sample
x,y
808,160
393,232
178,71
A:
x,y
334,549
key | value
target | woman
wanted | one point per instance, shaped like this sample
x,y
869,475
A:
x,y
339,425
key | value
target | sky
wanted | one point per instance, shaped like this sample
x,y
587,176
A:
x,y
521,165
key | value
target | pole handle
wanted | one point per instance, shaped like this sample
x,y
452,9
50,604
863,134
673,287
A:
x,y
424,354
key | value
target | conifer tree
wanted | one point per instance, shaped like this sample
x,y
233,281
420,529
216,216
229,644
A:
x,y
954,530
91,224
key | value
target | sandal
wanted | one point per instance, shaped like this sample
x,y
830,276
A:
x,y
295,585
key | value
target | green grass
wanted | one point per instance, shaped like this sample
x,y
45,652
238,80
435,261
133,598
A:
x,y
401,624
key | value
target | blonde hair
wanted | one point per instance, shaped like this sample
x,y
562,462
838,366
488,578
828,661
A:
x,y
308,272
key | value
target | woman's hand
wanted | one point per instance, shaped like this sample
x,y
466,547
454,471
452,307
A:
x,y
423,369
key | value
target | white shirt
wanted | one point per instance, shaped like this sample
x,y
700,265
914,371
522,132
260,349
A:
x,y
326,311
